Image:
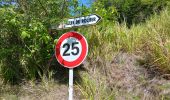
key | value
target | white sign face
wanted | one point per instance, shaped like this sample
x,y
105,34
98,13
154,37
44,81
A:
x,y
88,20
70,49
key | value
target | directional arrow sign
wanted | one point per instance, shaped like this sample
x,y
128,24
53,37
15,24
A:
x,y
75,22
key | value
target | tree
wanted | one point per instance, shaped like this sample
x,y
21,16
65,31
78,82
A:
x,y
25,41
129,11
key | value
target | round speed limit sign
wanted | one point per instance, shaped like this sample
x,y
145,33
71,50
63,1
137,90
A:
x,y
71,49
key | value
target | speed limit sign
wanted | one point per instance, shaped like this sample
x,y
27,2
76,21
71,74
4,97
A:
x,y
71,49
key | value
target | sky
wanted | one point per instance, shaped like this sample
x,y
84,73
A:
x,y
85,2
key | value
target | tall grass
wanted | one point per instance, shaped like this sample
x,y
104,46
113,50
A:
x,y
149,40
95,89
155,41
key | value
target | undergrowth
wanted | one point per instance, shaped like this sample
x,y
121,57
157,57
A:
x,y
95,88
149,40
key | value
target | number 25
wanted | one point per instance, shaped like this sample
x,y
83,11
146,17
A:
x,y
73,47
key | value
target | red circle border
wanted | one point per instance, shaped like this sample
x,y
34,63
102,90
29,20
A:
x,y
82,56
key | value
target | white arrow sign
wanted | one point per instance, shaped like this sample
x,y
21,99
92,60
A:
x,y
74,22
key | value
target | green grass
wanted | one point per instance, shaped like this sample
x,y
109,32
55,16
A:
x,y
156,41
95,88
149,40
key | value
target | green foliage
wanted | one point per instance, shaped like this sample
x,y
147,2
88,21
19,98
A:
x,y
150,39
25,41
129,11
105,10
10,44
26,45
135,11
77,9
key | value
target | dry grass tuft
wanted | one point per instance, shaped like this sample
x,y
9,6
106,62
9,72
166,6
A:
x,y
122,79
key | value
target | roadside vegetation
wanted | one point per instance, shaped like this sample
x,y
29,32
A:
x,y
129,50
136,65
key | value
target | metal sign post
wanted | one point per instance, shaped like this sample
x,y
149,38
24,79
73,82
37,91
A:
x,y
70,84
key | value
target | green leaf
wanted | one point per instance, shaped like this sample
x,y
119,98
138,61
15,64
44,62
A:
x,y
55,41
24,35
35,28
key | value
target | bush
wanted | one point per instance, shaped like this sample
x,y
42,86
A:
x,y
26,47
